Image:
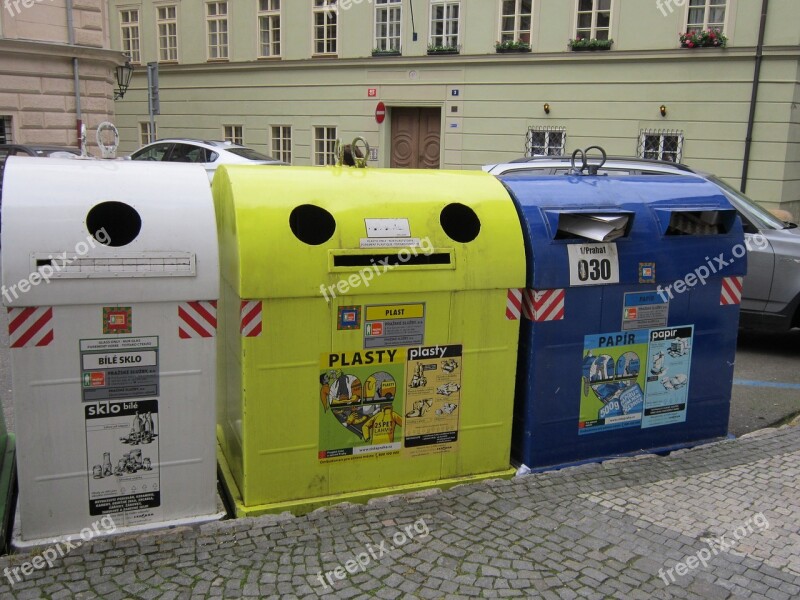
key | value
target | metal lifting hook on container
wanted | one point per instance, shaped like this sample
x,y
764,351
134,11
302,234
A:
x,y
590,168
360,161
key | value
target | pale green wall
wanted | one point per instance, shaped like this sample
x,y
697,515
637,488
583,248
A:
x,y
605,97
637,25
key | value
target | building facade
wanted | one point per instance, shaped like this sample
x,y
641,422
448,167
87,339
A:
x,y
469,82
56,70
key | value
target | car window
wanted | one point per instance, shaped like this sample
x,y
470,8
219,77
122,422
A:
x,y
249,154
61,153
187,153
750,211
154,152
609,172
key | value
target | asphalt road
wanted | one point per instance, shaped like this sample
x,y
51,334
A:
x,y
766,380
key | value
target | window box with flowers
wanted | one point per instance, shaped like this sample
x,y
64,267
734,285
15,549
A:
x,y
581,44
435,49
710,38
510,46
391,52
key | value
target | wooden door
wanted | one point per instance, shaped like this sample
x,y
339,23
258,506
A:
x,y
416,137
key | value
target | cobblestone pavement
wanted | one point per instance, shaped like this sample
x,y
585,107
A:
x,y
719,521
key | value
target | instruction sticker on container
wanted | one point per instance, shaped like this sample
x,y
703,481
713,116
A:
x,y
390,325
635,378
390,243
388,228
361,404
612,381
433,399
122,446
669,362
644,310
593,264
119,368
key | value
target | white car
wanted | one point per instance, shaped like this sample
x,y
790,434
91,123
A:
x,y
209,154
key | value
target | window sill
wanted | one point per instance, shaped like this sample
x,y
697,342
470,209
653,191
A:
x,y
512,50
696,47
218,60
324,56
590,48
382,53
270,57
437,52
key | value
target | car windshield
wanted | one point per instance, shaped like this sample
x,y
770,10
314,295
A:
x,y
762,218
249,154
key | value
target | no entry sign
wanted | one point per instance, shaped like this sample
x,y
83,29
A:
x,y
380,112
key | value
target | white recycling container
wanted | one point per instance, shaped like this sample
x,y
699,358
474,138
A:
x,y
110,275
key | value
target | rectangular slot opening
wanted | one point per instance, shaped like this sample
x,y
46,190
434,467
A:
x,y
396,259
143,264
592,226
699,222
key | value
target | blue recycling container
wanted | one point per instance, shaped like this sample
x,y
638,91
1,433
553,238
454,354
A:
x,y
629,318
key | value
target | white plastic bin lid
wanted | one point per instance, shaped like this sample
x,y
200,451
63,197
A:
x,y
93,231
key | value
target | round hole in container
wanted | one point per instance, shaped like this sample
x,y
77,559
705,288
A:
x,y
460,222
312,225
114,223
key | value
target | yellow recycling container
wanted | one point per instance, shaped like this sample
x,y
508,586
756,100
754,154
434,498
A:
x,y
365,348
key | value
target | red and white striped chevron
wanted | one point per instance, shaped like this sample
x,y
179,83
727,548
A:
x,y
514,304
31,326
251,318
543,305
535,305
731,293
197,319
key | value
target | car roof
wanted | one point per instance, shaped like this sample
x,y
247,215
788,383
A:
x,y
213,143
42,148
619,162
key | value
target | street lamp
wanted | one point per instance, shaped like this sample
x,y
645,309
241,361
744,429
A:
x,y
124,74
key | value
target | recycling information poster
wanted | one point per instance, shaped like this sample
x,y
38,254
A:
x,y
387,401
361,401
635,378
433,397
669,362
122,453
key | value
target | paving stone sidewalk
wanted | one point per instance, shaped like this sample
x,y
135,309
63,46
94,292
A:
x,y
719,521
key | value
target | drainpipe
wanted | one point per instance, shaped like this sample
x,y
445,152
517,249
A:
x,y
75,74
748,140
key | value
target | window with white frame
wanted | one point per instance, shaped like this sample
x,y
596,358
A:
x,y
326,30
324,146
233,134
282,143
144,133
658,144
129,34
269,28
594,19
706,14
167,21
217,28
388,16
445,30
6,133
546,141
516,20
